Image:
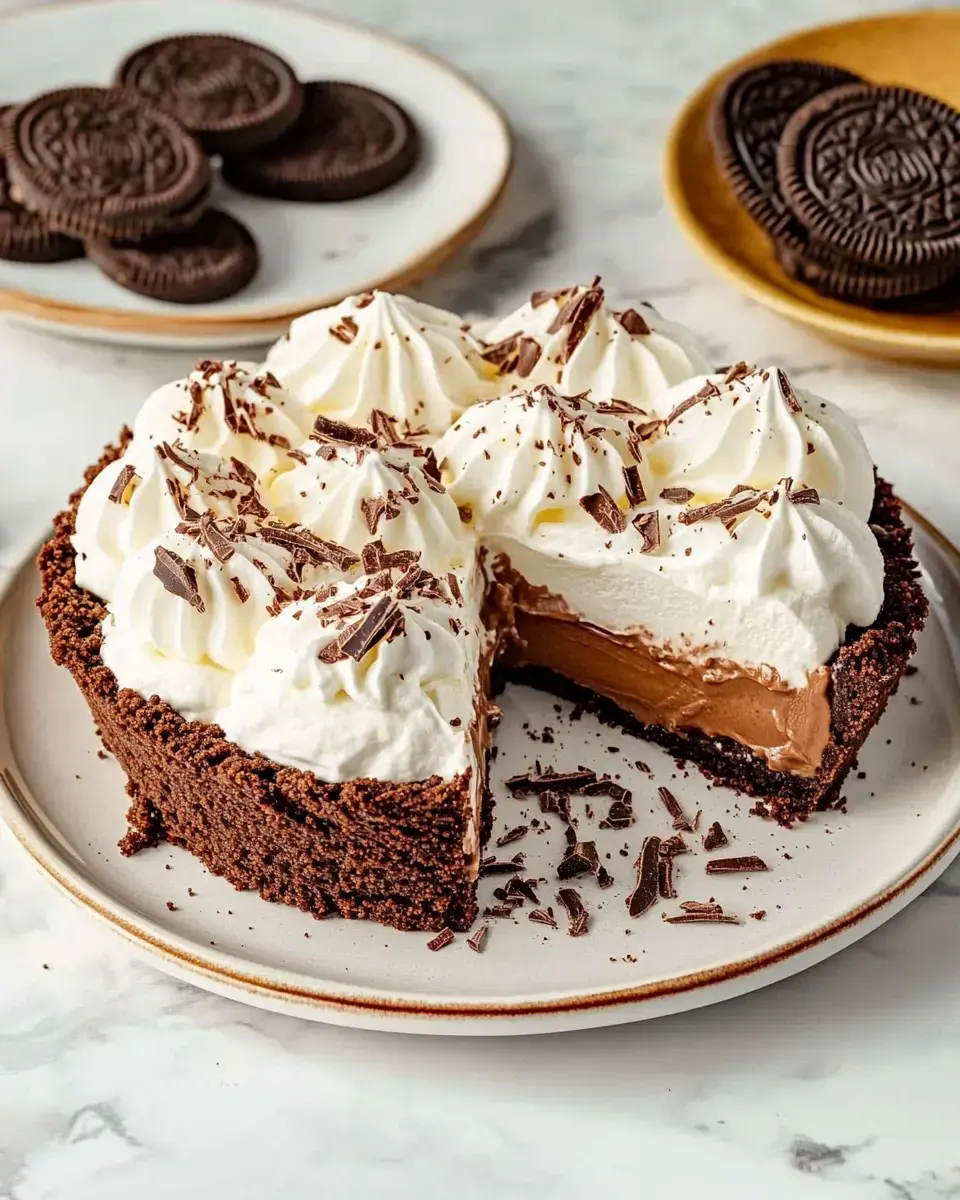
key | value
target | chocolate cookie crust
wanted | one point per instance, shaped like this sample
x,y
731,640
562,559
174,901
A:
x,y
387,852
232,95
874,173
350,141
101,162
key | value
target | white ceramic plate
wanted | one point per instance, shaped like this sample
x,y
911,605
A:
x,y
312,254
831,881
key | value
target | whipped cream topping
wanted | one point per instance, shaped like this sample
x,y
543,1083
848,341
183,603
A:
x,y
746,579
362,680
150,489
380,488
754,426
525,461
312,585
232,409
419,364
573,341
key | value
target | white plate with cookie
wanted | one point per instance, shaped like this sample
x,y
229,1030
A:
x,y
312,254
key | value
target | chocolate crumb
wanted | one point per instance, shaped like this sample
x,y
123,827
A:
x,y
171,906
513,835
759,914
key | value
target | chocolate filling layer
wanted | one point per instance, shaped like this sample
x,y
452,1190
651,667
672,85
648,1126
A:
x,y
788,727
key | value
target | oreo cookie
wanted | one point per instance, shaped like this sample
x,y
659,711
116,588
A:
x,y
349,141
748,116
873,173
232,95
833,274
212,260
103,163
23,236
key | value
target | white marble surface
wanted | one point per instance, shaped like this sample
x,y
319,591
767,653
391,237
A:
x,y
116,1081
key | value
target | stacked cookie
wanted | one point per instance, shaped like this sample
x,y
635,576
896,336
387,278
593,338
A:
x,y
124,173
855,183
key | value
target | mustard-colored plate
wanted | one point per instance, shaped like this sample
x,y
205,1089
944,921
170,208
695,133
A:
x,y
916,49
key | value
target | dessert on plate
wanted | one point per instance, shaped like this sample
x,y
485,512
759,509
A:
x,y
290,592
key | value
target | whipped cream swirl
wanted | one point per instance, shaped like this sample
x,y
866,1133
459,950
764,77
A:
x,y
362,681
754,427
232,409
573,341
528,459
418,363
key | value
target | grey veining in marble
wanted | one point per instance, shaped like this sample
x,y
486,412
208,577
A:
x,y
117,1081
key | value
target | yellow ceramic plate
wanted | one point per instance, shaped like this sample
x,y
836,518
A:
x,y
919,50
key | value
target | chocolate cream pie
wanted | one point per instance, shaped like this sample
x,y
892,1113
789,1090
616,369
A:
x,y
290,592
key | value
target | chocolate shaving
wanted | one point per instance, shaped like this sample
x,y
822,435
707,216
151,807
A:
x,y
739,371
673,807
215,540
727,866
513,835
123,480
373,508
177,577
454,585
620,815
634,486
676,495
665,878
339,433
384,427
539,917
581,858
804,496
632,322
645,893
475,940
572,781
707,392
346,331
620,408
556,802
577,915
714,838
604,878
243,593
787,392
603,508
698,906
539,298
741,500
522,889
702,918
374,626
673,845
301,543
578,312
445,936
375,558
648,526
499,910
493,866
516,354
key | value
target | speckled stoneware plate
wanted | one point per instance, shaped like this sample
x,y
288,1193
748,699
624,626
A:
x,y
917,49
312,254
829,883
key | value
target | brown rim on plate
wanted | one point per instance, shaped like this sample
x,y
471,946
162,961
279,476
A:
x,y
179,324
15,807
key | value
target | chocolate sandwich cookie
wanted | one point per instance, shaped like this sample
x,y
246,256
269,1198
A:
x,y
23,235
874,173
212,260
102,163
232,95
833,274
748,116
349,142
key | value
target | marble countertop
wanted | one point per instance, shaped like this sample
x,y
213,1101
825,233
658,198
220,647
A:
x,y
117,1081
